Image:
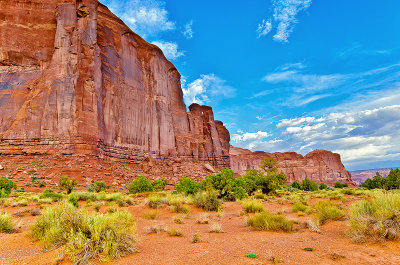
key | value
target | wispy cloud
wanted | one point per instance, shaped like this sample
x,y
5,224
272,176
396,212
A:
x,y
145,17
284,18
188,30
170,49
207,88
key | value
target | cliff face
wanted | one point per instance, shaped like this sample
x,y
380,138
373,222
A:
x,y
319,165
75,79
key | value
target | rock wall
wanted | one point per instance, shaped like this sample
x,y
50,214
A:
x,y
319,165
74,79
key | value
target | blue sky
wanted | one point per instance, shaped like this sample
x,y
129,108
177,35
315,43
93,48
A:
x,y
287,75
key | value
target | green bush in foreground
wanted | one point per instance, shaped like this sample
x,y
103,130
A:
x,y
67,184
98,186
208,200
187,186
309,185
6,223
159,184
327,210
6,186
376,219
140,184
269,222
86,236
252,206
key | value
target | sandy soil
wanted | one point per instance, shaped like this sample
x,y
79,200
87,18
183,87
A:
x,y
332,246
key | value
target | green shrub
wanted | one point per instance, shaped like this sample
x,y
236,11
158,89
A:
x,y
309,185
377,218
339,185
152,215
159,184
6,223
42,183
48,194
140,184
73,200
323,186
296,185
327,210
86,236
299,207
252,180
308,249
86,196
175,232
196,238
252,206
252,255
98,186
224,182
6,186
187,186
269,222
208,200
155,201
67,184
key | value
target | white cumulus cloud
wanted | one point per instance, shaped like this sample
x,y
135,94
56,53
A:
x,y
188,30
205,89
170,49
284,18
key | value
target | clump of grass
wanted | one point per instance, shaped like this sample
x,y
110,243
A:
x,y
155,201
97,206
326,210
196,238
151,215
313,226
252,255
204,218
299,207
86,236
377,218
175,232
308,249
178,219
270,222
208,200
252,206
156,229
6,224
216,228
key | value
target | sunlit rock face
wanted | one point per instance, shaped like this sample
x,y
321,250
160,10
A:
x,y
74,79
319,165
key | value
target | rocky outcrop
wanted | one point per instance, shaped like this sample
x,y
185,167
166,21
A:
x,y
74,79
319,165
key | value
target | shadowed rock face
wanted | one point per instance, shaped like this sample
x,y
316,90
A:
x,y
319,165
75,79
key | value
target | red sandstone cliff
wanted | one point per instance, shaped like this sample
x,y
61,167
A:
x,y
319,165
75,79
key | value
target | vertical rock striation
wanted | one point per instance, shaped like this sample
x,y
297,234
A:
x,y
75,79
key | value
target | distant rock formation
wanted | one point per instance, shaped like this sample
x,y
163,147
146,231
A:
x,y
360,176
319,165
74,79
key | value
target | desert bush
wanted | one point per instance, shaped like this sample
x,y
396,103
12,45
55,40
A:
x,y
187,186
48,194
251,179
151,215
178,219
216,228
159,184
196,238
204,218
156,229
323,186
73,200
208,200
140,184
228,187
67,184
86,196
6,223
41,183
299,207
269,222
309,185
377,218
327,210
98,186
86,236
296,185
97,206
252,206
6,186
175,232
339,185
155,201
